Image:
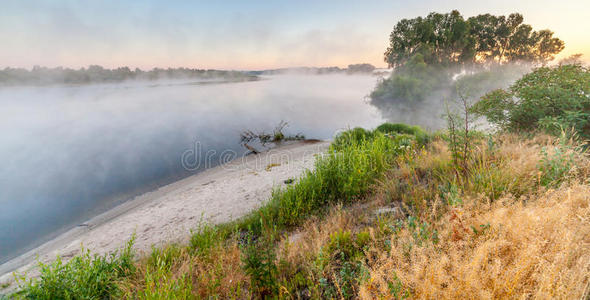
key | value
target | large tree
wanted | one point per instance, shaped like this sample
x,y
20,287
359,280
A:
x,y
430,55
449,39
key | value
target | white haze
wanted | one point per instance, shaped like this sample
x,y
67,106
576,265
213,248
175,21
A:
x,y
70,152
429,112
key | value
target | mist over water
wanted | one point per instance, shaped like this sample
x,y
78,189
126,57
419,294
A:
x,y
71,152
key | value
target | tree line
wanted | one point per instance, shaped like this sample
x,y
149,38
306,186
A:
x,y
97,74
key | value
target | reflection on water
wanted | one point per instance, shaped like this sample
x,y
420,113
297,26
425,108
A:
x,y
69,153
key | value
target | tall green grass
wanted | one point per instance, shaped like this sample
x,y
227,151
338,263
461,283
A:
x,y
83,277
421,136
343,174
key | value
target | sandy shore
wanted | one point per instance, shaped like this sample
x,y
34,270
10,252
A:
x,y
169,213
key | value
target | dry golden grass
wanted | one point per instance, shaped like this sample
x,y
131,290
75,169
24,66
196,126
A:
x,y
538,249
536,245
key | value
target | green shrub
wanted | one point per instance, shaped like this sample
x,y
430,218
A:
x,y
83,277
356,159
207,236
341,263
354,136
258,262
554,167
163,257
396,289
550,98
160,283
399,128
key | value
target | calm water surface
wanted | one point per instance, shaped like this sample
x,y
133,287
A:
x,y
69,153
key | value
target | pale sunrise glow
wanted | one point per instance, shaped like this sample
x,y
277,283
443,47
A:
x,y
241,34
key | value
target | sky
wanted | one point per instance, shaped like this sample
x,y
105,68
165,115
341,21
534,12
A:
x,y
241,35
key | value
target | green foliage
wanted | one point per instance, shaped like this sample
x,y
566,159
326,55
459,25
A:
x,y
83,277
410,84
421,136
204,238
449,39
360,68
421,231
551,98
440,38
450,193
258,262
163,257
343,174
98,74
555,166
350,137
343,246
161,284
495,106
341,263
396,289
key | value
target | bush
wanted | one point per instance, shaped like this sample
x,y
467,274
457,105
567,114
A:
x,y
550,98
206,237
354,136
258,262
163,257
83,277
399,128
341,263
555,166
409,85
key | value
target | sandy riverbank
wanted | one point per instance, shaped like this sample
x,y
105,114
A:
x,y
169,213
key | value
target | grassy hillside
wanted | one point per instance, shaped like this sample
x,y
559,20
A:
x,y
386,214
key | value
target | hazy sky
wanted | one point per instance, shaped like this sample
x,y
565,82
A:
x,y
241,34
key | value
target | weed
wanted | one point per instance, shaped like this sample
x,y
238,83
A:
x,y
83,277
258,262
396,289
163,257
206,237
399,128
555,166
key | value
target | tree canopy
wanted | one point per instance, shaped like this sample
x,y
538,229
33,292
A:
x,y
450,39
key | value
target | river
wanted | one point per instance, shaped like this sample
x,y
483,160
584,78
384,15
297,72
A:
x,y
71,152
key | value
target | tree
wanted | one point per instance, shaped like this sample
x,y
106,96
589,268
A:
x,y
439,38
360,68
429,53
449,39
